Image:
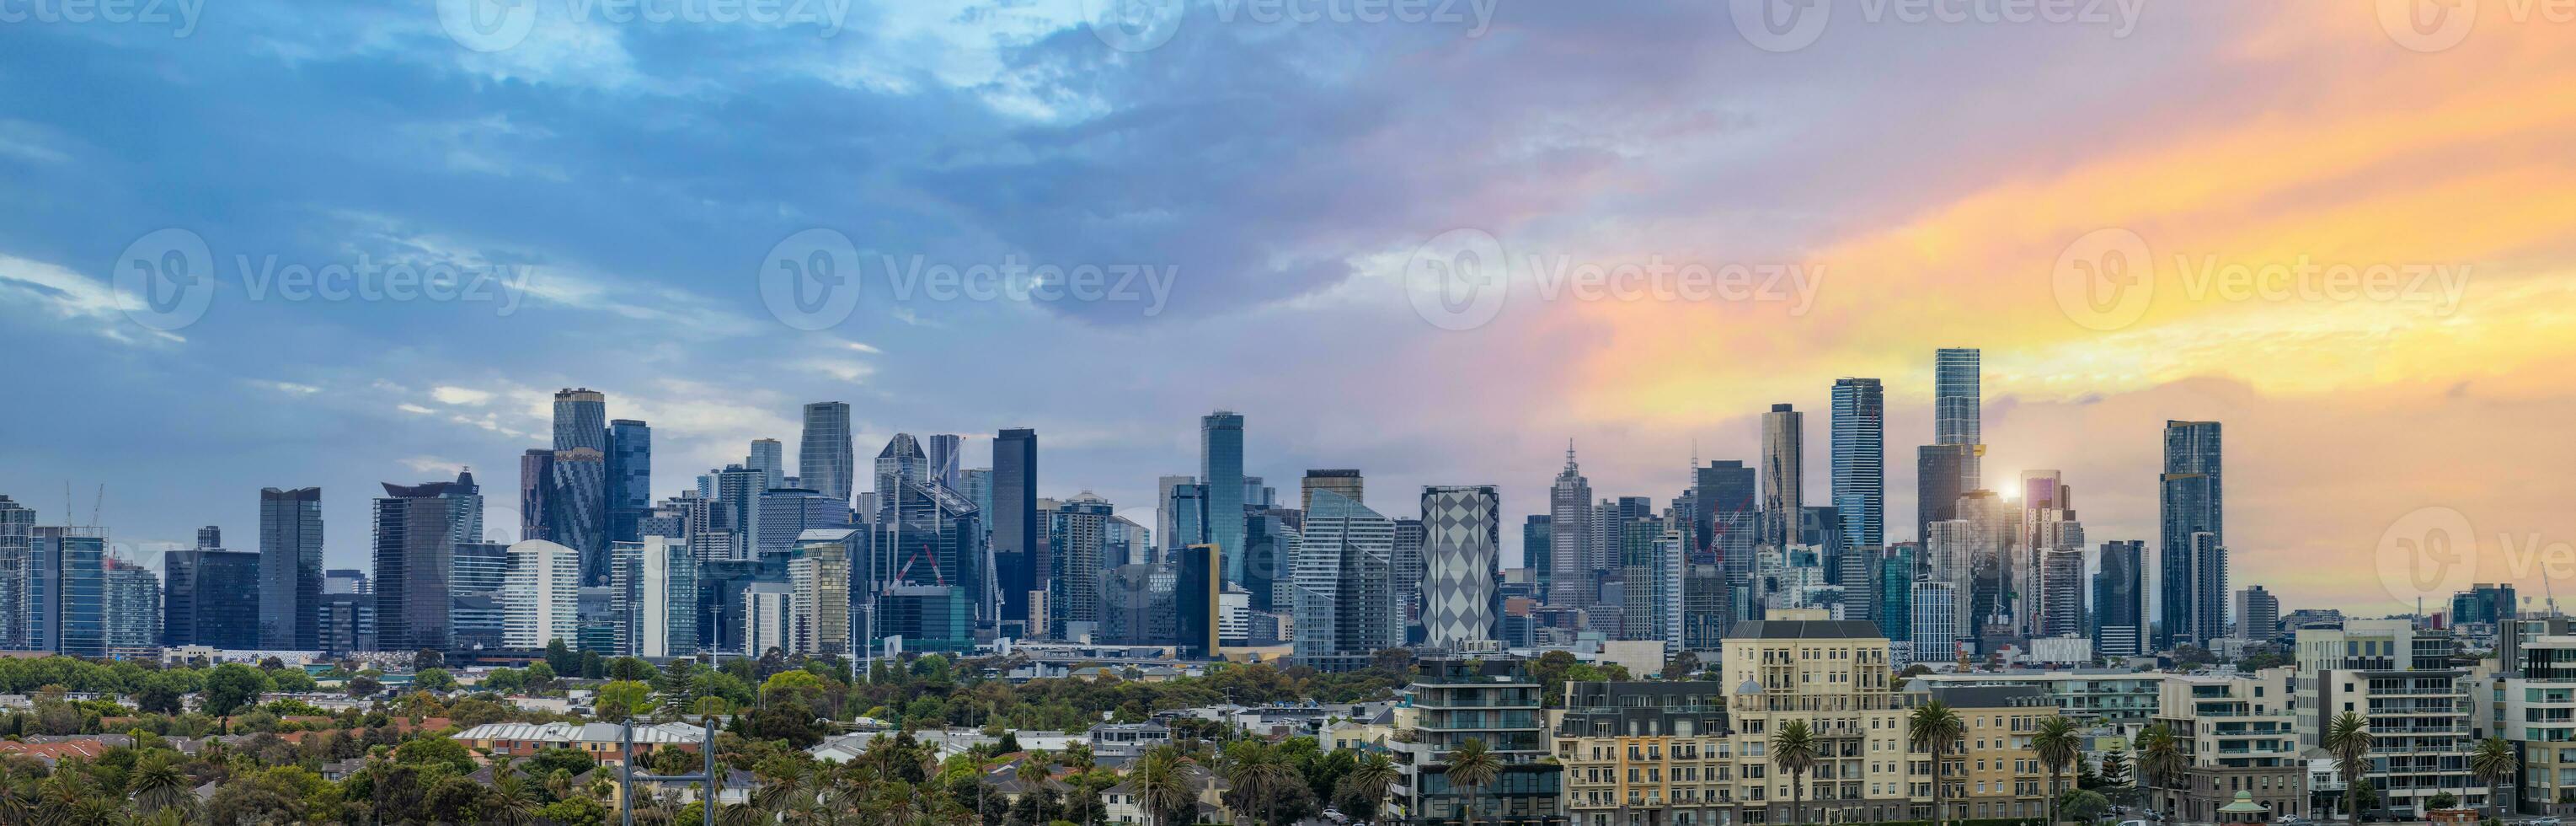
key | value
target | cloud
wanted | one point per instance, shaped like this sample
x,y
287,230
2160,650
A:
x,y
93,307
460,396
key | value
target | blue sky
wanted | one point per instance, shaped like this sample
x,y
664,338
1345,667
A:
x,y
641,177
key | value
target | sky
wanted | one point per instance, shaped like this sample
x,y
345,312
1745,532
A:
x,y
256,244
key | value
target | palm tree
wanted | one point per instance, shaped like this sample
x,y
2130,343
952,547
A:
x,y
514,800
159,785
1260,776
1162,782
1934,728
1793,749
1473,766
1035,770
2348,740
2492,763
2160,756
2057,743
1375,774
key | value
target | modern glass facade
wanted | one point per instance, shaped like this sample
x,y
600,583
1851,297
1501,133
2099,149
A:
x,y
2192,501
290,565
1860,462
1221,470
1014,517
211,598
825,460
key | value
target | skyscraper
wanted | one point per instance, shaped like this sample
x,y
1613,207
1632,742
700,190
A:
x,y
1860,462
211,598
1017,554
1343,481
770,458
630,478
1958,407
1726,503
1344,592
653,591
130,614
2191,503
17,526
2258,614
902,460
1784,458
1073,583
540,594
67,590
942,449
581,419
1535,554
290,569
577,507
824,460
1462,554
417,529
1221,469
1939,471
2120,600
1569,509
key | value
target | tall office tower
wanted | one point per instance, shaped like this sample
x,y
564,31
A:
x,y
66,590
210,536
770,459
581,419
943,450
1185,505
1705,615
17,525
1652,565
824,460
767,621
1784,457
2191,501
1408,566
1258,496
345,581
630,478
2120,600
733,511
540,593
2258,614
1536,555
417,530
786,513
818,588
1165,534
1724,513
290,568
1996,526
1198,595
1073,585
1569,511
1958,408
1343,481
901,461
2060,607
577,508
654,596
1462,554
931,535
1017,554
1895,574
536,483
1938,471
211,598
977,484
130,611
1345,595
1860,461
1221,469
2050,530
475,575
1950,553
1270,540
1936,621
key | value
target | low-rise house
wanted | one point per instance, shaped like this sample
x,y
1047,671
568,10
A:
x,y
600,740
1121,804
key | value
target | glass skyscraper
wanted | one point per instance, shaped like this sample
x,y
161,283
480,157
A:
x,y
290,566
2192,540
212,598
581,419
67,605
1784,460
824,458
630,478
1958,405
417,530
1016,552
1221,470
1860,462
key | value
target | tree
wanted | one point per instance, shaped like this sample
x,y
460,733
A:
x,y
1472,767
1793,749
231,686
158,785
618,699
2348,741
1368,783
2440,801
2082,805
2057,743
561,658
1681,666
1162,783
364,685
292,681
2493,763
427,659
1934,729
434,680
162,693
2160,757
435,751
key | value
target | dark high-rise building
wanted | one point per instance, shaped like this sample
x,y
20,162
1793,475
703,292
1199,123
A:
x,y
824,459
1723,506
2193,589
1017,554
290,569
1569,508
630,479
2258,614
536,480
1268,537
417,530
1185,506
2483,603
2120,600
1784,461
1535,551
1938,471
67,590
577,508
946,465
1197,584
211,596
210,537
17,526
1860,461
581,419
1221,470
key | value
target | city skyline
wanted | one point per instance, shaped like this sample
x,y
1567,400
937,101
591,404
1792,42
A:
x,y
1937,209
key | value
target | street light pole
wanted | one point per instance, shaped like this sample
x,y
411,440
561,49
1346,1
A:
x,y
627,775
